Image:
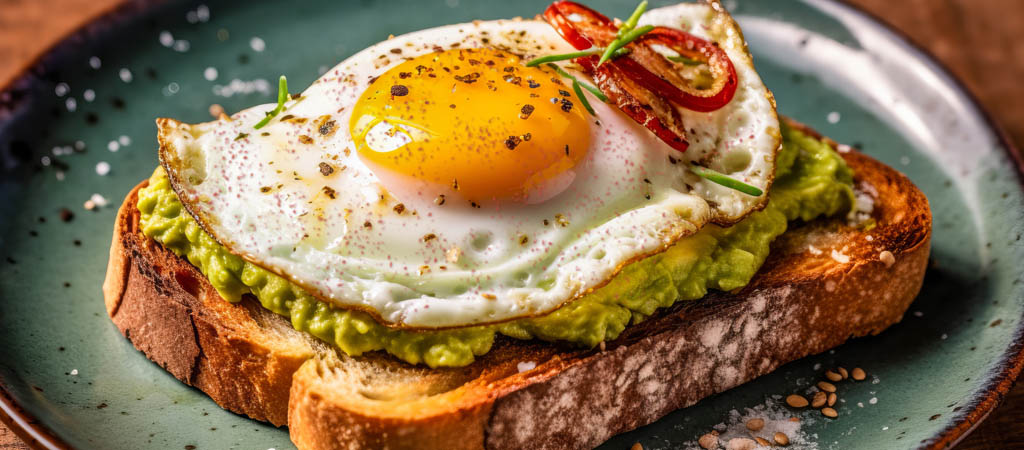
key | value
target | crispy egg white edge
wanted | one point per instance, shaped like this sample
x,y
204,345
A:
x,y
472,311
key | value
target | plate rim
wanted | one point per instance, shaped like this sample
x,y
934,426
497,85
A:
x,y
37,435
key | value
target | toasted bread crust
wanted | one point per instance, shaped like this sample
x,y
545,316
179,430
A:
x,y
251,362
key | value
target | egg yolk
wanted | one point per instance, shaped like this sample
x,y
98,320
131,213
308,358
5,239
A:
x,y
474,120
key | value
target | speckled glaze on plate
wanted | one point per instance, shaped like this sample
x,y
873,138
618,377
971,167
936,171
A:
x,y
68,378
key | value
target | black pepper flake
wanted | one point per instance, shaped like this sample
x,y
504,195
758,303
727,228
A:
x,y
554,100
66,284
33,233
546,222
399,90
367,224
452,106
564,93
396,51
566,105
399,208
474,62
513,79
265,133
42,219
305,139
647,196
524,239
532,84
265,189
429,237
420,68
330,192
525,111
647,181
469,78
326,169
512,142
327,127
77,243
404,75
508,69
439,200
527,136
474,204
672,160
455,183
241,136
566,149
66,215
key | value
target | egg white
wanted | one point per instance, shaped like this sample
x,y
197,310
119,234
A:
x,y
262,195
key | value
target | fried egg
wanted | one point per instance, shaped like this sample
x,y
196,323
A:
x,y
433,180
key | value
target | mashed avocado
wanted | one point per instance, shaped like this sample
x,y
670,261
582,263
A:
x,y
811,180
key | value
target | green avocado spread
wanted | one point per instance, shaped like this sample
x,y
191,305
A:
x,y
811,180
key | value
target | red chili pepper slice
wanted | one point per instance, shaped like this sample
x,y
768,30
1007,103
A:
x,y
579,25
638,103
584,28
643,63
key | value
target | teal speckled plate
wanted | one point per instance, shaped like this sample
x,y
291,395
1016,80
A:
x,y
81,123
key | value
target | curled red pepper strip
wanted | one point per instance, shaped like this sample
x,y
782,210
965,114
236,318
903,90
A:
x,y
584,28
638,103
581,33
639,64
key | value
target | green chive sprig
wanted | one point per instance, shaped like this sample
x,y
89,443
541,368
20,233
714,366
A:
x,y
593,90
724,180
573,55
684,60
583,98
627,33
282,97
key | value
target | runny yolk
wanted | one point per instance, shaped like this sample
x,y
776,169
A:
x,y
475,120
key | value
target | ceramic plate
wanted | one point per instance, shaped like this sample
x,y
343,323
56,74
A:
x,y
80,125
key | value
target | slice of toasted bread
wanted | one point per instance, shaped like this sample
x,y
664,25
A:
x,y
823,283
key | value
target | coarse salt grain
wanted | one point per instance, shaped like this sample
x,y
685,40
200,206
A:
x,y
525,366
257,44
840,257
74,371
102,168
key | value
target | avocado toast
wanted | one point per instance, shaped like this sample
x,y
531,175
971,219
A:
x,y
735,253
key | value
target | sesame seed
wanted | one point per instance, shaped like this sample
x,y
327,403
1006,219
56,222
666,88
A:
x,y
819,399
708,441
796,401
755,424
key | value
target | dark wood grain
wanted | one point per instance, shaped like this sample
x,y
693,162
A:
x,y
978,40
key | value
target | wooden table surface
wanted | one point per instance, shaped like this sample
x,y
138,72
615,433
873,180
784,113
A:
x,y
979,40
